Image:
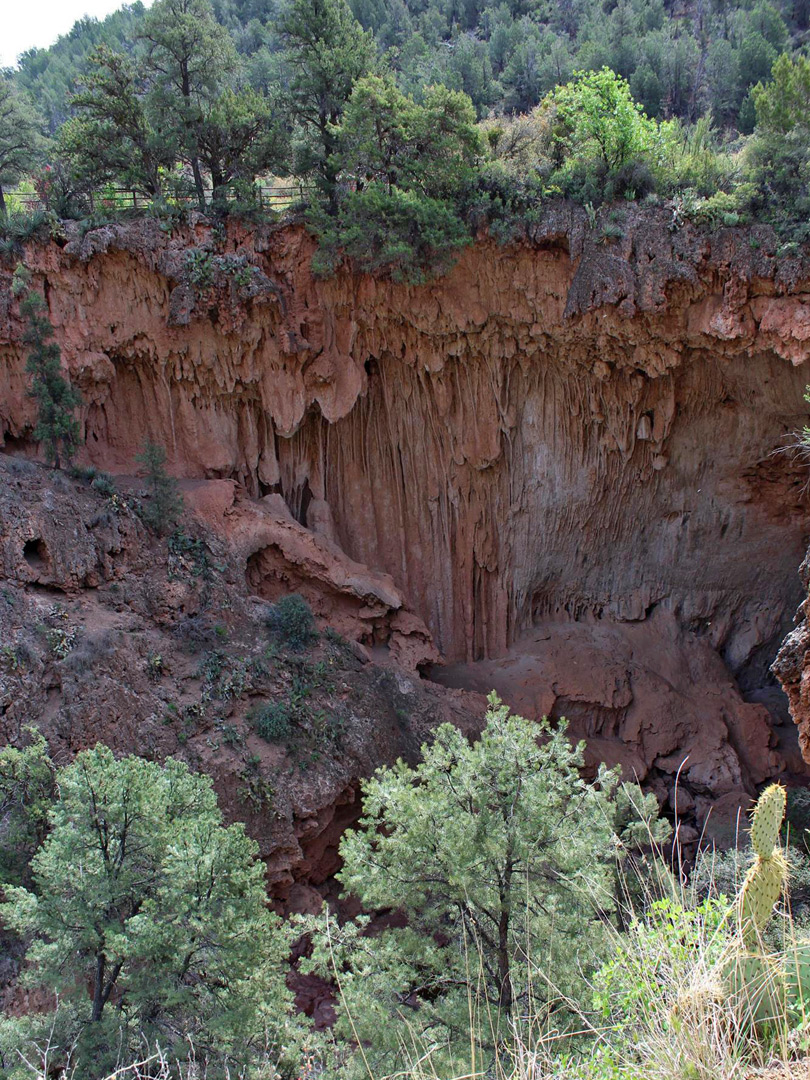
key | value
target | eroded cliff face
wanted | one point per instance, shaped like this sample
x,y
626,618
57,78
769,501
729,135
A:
x,y
571,432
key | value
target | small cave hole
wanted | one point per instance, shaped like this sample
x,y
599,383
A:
x,y
35,553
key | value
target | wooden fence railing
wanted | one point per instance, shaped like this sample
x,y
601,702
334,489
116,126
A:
x,y
272,196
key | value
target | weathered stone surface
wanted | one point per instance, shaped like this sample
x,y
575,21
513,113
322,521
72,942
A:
x,y
566,435
109,635
574,427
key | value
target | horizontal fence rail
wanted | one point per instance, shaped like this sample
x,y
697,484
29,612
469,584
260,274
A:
x,y
272,196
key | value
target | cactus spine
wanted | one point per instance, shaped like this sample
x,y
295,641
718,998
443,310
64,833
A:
x,y
767,877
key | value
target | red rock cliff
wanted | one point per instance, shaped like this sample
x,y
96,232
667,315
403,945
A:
x,y
570,430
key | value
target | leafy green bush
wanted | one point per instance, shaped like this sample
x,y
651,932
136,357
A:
x,y
291,622
597,119
273,721
408,235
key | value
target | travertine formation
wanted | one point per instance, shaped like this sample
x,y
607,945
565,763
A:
x,y
578,433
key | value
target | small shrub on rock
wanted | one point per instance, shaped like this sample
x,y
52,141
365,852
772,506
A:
x,y
290,621
103,484
272,721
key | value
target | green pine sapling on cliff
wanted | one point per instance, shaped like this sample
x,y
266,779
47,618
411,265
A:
x,y
501,858
165,504
57,428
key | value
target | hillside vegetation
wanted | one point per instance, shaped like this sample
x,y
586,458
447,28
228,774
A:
x,y
407,128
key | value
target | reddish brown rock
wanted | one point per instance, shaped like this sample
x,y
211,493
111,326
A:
x,y
563,435
792,667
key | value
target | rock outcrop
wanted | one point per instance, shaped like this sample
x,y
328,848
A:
x,y
575,434
108,634
792,667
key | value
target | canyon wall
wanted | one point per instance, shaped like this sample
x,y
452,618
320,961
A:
x,y
574,430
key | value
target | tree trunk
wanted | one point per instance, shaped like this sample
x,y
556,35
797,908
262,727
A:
x,y
98,990
504,972
218,182
504,913
2,203
195,161
198,182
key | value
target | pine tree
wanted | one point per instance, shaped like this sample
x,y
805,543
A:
x,y
20,137
148,916
189,59
494,852
325,52
165,503
57,427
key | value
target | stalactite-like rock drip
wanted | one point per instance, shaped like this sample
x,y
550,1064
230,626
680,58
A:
x,y
565,428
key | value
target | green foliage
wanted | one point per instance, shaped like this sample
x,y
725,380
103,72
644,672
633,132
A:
x,y
784,103
325,51
165,504
499,856
387,137
141,895
372,106
597,121
57,428
49,75
291,622
407,164
657,958
238,137
408,235
26,793
779,153
188,58
20,139
273,721
111,137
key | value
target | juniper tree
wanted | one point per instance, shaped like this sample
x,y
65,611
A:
x,y
57,428
111,136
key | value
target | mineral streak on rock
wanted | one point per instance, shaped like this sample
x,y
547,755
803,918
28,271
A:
x,y
563,431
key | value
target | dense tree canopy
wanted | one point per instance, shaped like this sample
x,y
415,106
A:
x,y
410,125
19,136
490,851
142,896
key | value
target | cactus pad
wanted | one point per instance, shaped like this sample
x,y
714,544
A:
x,y
797,976
769,813
758,985
761,889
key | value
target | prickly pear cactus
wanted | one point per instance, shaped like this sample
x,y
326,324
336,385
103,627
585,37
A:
x,y
769,813
767,878
759,987
797,979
